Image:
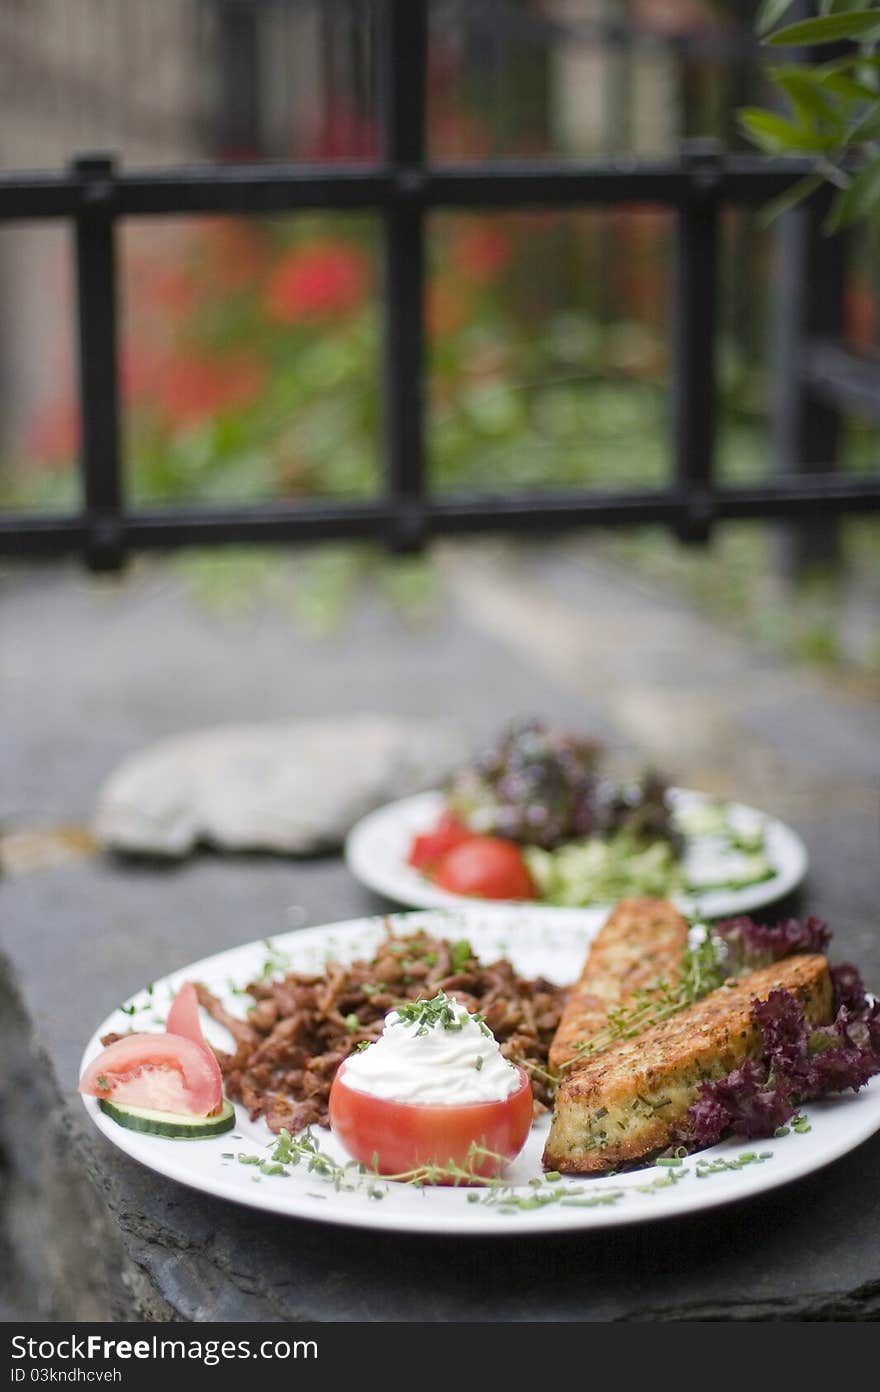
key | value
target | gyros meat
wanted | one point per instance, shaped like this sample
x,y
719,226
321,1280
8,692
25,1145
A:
x,y
300,1027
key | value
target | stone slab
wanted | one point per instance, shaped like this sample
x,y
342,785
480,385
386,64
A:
x,y
95,675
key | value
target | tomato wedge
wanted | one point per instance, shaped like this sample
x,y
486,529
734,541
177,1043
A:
x,y
430,847
399,1137
486,867
163,1072
183,1017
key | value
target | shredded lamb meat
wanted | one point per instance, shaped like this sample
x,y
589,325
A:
x,y
299,1028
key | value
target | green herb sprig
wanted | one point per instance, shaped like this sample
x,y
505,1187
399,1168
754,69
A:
x,y
461,954
289,1151
493,1192
276,963
439,1012
706,1168
702,970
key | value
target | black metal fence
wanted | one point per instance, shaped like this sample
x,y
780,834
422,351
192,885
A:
x,y
404,189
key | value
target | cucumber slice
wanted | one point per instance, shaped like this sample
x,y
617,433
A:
x,y
177,1126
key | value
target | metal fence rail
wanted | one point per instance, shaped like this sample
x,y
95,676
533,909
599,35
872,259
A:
x,y
403,189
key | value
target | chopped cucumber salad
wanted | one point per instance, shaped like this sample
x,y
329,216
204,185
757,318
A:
x,y
722,847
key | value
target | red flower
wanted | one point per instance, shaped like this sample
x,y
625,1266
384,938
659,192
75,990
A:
x,y
482,251
324,280
232,251
138,371
455,135
194,389
340,135
446,309
54,436
173,290
860,311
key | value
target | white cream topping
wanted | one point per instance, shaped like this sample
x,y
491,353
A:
x,y
443,1055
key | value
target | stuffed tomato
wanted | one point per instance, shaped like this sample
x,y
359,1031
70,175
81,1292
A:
x,y
433,1094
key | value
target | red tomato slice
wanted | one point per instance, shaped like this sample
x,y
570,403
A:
x,y
486,867
183,1017
398,1137
428,848
164,1072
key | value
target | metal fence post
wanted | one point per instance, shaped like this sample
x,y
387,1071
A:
x,y
403,93
238,116
696,311
815,369
807,430
98,375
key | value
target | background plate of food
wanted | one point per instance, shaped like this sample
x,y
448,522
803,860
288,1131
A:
x,y
285,1016
537,819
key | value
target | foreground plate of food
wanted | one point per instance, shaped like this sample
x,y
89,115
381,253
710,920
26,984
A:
x,y
305,1173
719,838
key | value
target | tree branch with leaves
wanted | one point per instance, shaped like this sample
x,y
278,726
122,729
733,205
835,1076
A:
x,y
831,112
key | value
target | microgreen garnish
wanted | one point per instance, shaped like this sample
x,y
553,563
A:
x,y
288,1151
705,1168
102,1082
304,1149
460,953
276,961
431,1014
702,970
352,1023
674,1171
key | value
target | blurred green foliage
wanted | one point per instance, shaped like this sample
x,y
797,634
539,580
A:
x,y
832,105
251,372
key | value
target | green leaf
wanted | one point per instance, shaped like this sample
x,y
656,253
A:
x,y
792,196
853,61
867,127
769,13
833,27
859,200
829,7
847,88
809,101
775,133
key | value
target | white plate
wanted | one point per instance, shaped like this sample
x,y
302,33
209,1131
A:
x,y
377,847
537,943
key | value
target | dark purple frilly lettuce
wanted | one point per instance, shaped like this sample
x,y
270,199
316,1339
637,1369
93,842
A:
x,y
542,786
748,944
799,1062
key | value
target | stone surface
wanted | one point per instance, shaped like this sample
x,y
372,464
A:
x,y
292,788
540,631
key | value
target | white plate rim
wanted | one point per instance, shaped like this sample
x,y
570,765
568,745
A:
x,y
372,856
838,1126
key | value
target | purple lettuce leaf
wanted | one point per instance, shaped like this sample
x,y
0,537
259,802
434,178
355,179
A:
x,y
799,1062
849,989
750,944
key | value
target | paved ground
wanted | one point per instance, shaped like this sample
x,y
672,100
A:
x,y
91,672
